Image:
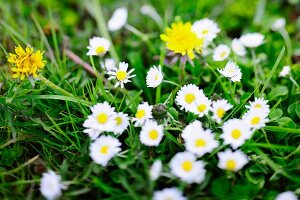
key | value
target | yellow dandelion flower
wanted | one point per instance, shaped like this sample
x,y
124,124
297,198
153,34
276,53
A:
x,y
26,62
181,39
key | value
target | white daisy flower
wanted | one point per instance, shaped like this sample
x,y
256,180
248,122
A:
x,y
121,74
100,120
201,106
191,129
151,133
98,46
109,64
154,76
221,52
169,194
155,170
121,122
184,166
219,109
143,113
152,13
238,48
288,195
286,70
232,71
232,161
187,95
104,148
235,132
200,142
118,19
252,40
51,185
278,24
260,104
256,118
206,29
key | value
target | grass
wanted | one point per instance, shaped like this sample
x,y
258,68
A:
x,y
41,119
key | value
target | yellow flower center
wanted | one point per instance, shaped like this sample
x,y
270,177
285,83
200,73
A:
x,y
187,166
236,134
100,50
156,77
201,107
255,120
257,106
220,113
102,118
230,165
121,75
223,54
118,120
200,143
189,98
205,31
140,114
104,149
153,134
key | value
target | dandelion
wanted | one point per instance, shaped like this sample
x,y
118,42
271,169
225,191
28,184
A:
x,y
184,166
143,113
232,161
206,29
181,39
238,48
104,149
286,70
109,64
288,195
259,104
201,106
121,122
154,77
155,170
168,194
221,52
219,109
51,185
121,74
26,62
187,95
98,46
231,71
278,24
151,133
252,40
235,132
256,118
118,19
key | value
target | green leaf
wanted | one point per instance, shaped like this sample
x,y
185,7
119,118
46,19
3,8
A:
x,y
220,187
286,122
173,112
278,91
275,114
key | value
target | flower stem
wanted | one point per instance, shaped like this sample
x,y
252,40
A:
x,y
288,44
158,93
182,71
55,87
255,70
293,81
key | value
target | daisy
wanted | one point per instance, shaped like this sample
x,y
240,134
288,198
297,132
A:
x,y
235,132
252,40
221,52
155,170
118,19
104,148
200,142
232,71
121,74
51,185
143,113
206,28
168,194
182,40
151,133
260,104
192,129
288,195
286,70
219,109
98,46
187,95
109,64
121,122
101,119
238,48
154,76
232,161
256,118
92,133
278,24
184,166
201,106
152,13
